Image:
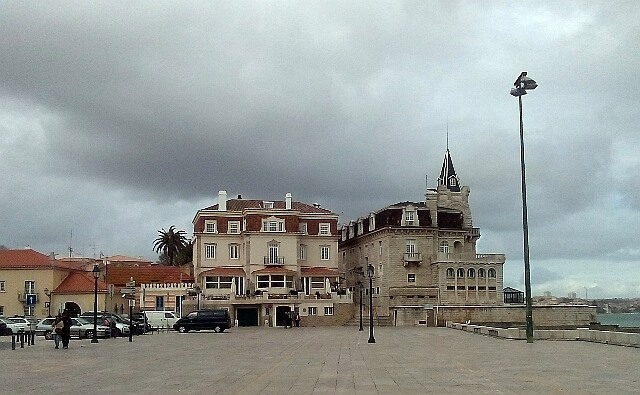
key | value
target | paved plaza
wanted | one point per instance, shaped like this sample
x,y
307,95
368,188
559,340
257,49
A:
x,y
338,360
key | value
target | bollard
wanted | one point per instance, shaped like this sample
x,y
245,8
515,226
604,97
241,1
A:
x,y
21,340
33,338
13,341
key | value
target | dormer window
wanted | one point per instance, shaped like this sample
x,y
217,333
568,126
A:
x,y
409,217
372,222
210,226
273,224
325,230
266,204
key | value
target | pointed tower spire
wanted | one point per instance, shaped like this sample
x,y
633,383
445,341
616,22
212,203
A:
x,y
448,176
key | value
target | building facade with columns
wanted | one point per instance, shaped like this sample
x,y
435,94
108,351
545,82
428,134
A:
x,y
262,259
423,255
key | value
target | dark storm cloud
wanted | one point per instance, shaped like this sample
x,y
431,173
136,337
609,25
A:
x,y
136,114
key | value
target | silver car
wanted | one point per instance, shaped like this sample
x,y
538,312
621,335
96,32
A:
x,y
19,324
80,328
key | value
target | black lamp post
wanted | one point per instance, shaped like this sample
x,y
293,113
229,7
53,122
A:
x,y
521,86
360,286
370,272
96,275
48,293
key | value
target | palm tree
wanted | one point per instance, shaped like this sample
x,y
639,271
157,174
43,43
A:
x,y
170,242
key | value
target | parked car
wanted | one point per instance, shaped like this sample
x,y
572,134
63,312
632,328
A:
x,y
122,325
105,318
20,324
218,320
142,318
138,328
161,319
80,328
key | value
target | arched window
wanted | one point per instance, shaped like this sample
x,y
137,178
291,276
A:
x,y
471,273
444,247
450,273
481,273
461,273
491,273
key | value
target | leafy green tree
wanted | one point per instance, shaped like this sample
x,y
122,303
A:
x,y
170,243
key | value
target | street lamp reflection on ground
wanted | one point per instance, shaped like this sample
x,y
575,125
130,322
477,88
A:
x,y
96,275
521,86
370,272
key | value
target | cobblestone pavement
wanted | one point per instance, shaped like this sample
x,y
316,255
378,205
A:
x,y
336,360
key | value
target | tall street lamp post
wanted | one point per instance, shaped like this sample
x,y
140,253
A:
x,y
96,275
360,286
521,86
370,272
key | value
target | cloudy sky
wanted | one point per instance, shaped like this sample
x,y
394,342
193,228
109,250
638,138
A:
x,y
119,119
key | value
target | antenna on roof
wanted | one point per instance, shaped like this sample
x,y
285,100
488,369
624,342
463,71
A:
x,y
70,248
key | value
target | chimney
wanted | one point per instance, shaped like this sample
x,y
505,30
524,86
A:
x,y
287,200
222,201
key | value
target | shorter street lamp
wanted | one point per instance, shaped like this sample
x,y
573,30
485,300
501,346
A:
x,y
48,293
360,286
96,275
370,272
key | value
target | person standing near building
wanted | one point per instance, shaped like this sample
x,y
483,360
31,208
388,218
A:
x,y
66,329
296,318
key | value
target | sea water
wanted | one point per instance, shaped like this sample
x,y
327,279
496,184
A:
x,y
623,320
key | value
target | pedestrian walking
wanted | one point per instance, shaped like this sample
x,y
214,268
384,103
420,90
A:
x,y
296,319
66,329
56,330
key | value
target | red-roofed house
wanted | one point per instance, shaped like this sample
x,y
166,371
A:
x,y
261,259
34,284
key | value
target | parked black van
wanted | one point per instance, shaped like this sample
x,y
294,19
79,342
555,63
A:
x,y
218,320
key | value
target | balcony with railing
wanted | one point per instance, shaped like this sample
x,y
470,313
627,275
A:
x,y
412,258
470,257
274,260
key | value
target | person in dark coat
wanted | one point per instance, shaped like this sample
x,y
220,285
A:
x,y
66,329
296,319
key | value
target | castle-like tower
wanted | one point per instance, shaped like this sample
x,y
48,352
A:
x,y
424,255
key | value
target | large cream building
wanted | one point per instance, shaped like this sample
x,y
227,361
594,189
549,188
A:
x,y
263,258
423,255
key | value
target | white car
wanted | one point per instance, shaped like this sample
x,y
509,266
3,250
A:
x,y
20,324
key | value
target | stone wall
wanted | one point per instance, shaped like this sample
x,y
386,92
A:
x,y
559,316
342,313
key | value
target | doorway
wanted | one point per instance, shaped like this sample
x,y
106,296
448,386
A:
x,y
281,311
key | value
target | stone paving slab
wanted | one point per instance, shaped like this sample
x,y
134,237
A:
x,y
334,360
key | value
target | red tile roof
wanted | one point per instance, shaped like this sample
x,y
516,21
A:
x,y
80,282
120,275
319,271
224,271
274,270
30,259
243,204
128,259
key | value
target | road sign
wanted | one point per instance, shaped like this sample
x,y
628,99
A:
x,y
31,299
127,290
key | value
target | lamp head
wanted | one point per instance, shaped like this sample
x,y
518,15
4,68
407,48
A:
x,y
96,271
528,83
370,270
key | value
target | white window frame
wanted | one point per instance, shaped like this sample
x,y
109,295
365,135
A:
x,y
3,287
209,250
409,217
325,253
29,287
443,247
2,311
313,310
233,227
372,222
234,251
302,227
324,229
303,252
273,225
218,282
411,278
328,310
213,224
267,204
411,246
